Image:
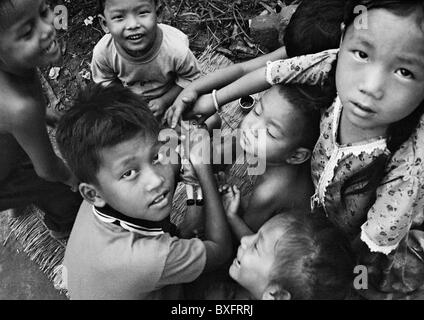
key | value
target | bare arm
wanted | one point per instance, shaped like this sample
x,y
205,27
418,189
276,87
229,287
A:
x,y
218,238
251,83
161,104
29,129
216,80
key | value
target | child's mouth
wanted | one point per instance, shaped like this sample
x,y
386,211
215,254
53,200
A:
x,y
363,108
51,48
135,37
161,200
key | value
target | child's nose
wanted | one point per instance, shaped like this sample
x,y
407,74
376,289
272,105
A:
x,y
154,179
132,22
47,29
372,83
246,241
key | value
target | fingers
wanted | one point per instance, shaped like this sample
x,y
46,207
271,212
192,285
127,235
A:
x,y
236,193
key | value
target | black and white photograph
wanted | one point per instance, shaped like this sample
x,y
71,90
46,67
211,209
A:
x,y
209,154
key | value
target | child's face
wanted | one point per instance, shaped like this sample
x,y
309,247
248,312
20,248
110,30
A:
x,y
255,257
27,35
270,128
132,23
134,180
380,71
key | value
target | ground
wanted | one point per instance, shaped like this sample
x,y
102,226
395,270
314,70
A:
x,y
222,25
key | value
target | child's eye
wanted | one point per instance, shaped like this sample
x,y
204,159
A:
x,y
361,55
143,12
27,33
405,73
272,133
117,18
130,174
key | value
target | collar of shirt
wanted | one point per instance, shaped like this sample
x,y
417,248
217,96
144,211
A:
x,y
144,227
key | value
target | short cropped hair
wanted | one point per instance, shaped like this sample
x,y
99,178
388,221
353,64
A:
x,y
101,5
308,101
314,27
313,260
101,117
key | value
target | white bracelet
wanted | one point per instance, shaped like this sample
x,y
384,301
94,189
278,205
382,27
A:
x,y
215,101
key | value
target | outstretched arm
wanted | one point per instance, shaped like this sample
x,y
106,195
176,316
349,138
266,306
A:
x,y
216,80
217,233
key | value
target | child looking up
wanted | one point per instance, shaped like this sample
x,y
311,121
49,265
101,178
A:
x,y
30,171
292,256
151,59
122,245
367,166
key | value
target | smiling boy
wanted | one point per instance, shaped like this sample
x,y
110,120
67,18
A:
x,y
123,245
153,60
30,171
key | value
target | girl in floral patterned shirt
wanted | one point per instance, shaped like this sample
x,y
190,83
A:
x,y
367,165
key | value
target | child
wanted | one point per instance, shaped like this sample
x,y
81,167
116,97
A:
x,y
121,246
315,26
292,256
281,131
151,59
30,171
367,165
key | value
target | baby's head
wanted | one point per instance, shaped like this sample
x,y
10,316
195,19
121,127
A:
x,y
132,24
380,69
284,124
294,256
27,35
109,139
314,27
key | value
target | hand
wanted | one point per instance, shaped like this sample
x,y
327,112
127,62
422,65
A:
x,y
204,106
157,106
231,201
185,100
199,146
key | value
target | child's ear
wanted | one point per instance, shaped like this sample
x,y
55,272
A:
x,y
299,156
275,292
90,194
103,24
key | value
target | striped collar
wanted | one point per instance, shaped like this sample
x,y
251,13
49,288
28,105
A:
x,y
143,227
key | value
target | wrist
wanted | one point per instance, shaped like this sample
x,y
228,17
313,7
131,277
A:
x,y
215,100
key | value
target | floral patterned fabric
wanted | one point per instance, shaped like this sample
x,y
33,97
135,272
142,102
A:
x,y
392,225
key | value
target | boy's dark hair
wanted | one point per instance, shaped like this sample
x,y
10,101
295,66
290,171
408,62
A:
x,y
101,5
368,179
312,258
101,117
314,27
308,101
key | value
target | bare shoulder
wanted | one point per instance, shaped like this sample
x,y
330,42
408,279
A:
x,y
19,109
277,186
